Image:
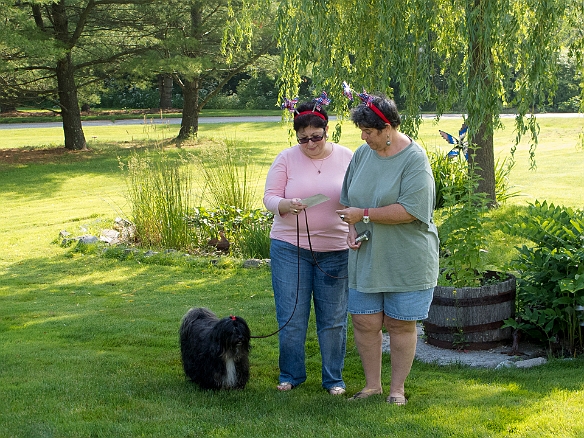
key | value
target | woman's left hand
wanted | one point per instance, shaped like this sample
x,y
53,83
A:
x,y
350,215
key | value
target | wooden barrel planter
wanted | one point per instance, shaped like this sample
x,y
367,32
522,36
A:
x,y
470,318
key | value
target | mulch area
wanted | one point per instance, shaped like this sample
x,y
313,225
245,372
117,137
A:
x,y
23,156
26,156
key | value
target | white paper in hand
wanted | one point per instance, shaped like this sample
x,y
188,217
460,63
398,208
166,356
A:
x,y
314,200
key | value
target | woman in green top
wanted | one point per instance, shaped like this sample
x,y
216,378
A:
x,y
389,191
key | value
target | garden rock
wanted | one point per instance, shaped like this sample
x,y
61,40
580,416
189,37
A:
x,y
87,239
110,237
126,229
252,263
528,363
500,357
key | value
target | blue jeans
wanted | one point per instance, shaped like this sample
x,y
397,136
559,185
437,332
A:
x,y
330,297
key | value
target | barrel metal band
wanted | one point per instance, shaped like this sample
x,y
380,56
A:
x,y
478,301
433,328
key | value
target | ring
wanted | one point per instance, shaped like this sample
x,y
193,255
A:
x,y
342,217
295,211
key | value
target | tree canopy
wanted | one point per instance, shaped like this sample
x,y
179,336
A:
x,y
54,48
201,45
496,54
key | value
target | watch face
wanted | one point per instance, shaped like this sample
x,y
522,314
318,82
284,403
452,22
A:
x,y
365,219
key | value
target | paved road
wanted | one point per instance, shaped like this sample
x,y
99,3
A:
x,y
155,120
207,120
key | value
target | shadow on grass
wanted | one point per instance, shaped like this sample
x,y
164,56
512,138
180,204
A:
x,y
40,173
90,347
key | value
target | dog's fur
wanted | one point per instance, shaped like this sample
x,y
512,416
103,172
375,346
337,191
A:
x,y
215,352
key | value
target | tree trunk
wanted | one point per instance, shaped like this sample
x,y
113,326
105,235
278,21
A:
x,y
189,126
165,90
481,101
74,136
484,158
68,100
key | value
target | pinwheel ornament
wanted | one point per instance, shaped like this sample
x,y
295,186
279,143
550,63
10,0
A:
x,y
460,144
347,91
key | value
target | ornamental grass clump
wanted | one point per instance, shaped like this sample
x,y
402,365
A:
x,y
162,191
159,193
225,168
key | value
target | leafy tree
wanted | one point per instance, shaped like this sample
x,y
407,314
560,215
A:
x,y
492,53
203,44
52,48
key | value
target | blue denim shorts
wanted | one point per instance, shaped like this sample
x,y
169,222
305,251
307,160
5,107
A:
x,y
405,306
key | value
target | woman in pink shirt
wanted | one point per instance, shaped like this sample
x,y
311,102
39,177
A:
x,y
309,266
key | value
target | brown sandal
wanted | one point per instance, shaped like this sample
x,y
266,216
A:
x,y
365,393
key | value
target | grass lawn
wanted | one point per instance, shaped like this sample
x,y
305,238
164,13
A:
x,y
89,345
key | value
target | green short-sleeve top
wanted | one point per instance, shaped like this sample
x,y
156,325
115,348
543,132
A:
x,y
402,257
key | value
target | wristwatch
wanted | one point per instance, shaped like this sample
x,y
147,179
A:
x,y
365,216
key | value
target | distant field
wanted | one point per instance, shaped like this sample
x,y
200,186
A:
x,y
558,176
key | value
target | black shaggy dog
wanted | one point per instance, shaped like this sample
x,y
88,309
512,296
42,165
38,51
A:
x,y
215,351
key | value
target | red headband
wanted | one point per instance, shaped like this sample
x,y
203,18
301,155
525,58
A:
x,y
376,111
303,113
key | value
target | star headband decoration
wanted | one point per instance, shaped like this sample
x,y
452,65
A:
x,y
290,104
366,99
347,91
321,100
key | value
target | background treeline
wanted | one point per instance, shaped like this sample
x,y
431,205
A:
x,y
258,89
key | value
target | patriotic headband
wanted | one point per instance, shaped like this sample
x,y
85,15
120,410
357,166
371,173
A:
x,y
323,99
365,98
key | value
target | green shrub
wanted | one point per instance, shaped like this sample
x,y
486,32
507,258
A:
x,y
247,230
258,92
463,237
551,274
222,101
254,240
450,176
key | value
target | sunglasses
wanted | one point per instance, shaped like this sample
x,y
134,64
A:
x,y
313,139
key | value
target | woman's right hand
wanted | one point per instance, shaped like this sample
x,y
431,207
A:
x,y
292,206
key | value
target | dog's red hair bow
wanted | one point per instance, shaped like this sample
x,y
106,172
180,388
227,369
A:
x,y
232,318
